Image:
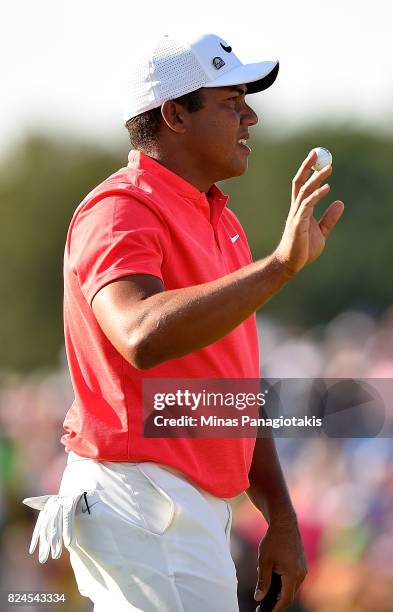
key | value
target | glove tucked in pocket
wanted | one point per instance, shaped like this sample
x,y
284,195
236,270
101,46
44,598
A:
x,y
54,524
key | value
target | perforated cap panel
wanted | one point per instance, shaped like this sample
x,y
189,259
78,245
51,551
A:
x,y
171,70
175,70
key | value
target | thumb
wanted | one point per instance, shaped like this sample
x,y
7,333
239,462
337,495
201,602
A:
x,y
330,217
264,580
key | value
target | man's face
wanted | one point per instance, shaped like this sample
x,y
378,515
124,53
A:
x,y
214,132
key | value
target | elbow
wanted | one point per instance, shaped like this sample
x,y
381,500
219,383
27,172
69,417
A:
x,y
140,353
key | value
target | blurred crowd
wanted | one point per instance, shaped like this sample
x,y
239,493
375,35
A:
x,y
342,488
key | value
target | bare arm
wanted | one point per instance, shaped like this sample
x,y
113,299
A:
x,y
148,325
281,550
268,490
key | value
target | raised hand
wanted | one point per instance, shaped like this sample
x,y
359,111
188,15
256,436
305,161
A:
x,y
304,237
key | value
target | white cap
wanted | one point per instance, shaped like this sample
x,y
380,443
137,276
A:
x,y
173,68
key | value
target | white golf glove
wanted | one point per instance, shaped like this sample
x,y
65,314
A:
x,y
54,524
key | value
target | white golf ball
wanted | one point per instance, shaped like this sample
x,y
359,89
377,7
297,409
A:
x,y
324,158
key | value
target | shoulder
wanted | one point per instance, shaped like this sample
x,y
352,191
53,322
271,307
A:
x,y
119,196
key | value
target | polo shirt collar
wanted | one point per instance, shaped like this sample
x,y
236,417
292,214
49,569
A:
x,y
213,202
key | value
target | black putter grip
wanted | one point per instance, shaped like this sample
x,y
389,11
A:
x,y
269,601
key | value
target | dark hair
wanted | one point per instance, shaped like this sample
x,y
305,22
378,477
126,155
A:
x,y
143,129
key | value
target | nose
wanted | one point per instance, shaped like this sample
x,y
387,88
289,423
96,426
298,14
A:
x,y
249,116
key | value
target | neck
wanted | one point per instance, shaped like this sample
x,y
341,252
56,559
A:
x,y
185,167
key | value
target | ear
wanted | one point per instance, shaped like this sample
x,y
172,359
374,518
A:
x,y
175,116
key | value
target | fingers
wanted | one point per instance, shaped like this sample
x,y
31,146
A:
x,y
299,583
44,541
265,577
330,217
287,594
307,206
56,533
303,173
36,532
311,185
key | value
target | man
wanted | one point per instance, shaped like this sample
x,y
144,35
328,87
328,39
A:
x,y
159,283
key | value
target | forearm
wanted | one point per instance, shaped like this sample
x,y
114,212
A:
x,y
174,323
268,490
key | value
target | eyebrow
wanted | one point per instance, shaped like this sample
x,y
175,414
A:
x,y
240,90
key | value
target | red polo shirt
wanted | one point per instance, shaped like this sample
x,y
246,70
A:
x,y
144,219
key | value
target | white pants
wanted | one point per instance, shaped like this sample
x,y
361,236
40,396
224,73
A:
x,y
146,539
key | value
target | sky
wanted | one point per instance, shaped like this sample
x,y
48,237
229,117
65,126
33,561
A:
x,y
63,63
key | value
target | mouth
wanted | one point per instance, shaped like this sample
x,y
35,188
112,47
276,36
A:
x,y
242,142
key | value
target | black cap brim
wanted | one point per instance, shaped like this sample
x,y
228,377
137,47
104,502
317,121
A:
x,y
264,83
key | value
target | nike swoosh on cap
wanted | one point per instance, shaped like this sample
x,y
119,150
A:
x,y
227,49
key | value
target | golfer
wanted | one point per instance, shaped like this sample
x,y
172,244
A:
x,y
159,283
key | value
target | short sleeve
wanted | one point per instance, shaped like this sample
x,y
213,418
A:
x,y
116,237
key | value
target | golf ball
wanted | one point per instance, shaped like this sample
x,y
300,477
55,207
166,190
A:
x,y
324,158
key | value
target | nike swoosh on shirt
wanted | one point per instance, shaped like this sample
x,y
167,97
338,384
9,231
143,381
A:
x,y
234,238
